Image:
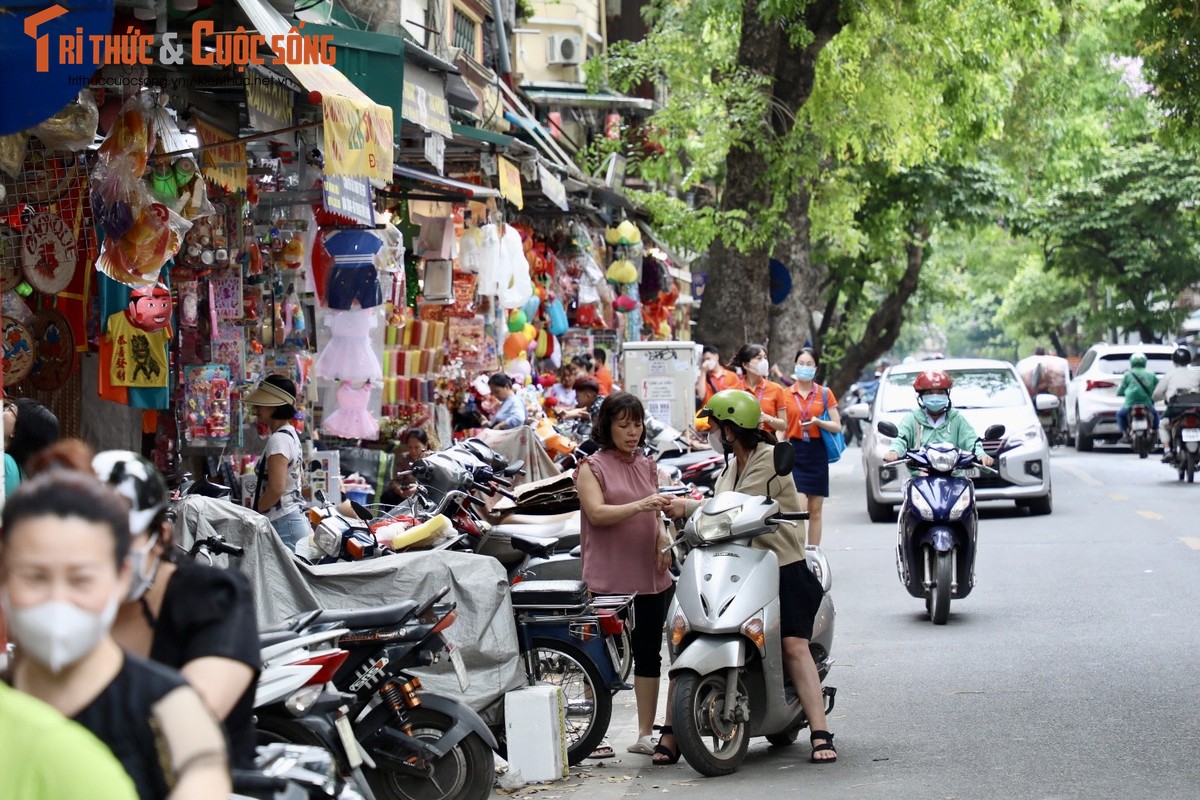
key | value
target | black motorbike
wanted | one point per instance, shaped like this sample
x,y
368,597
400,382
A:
x,y
1183,427
1142,432
938,523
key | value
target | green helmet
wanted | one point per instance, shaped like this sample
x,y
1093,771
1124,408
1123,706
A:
x,y
736,406
1137,360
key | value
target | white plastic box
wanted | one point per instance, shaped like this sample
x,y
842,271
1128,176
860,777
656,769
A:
x,y
535,724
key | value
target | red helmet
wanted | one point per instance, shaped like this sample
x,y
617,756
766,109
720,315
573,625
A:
x,y
933,379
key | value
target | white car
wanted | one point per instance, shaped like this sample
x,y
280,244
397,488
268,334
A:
x,y
987,392
1092,400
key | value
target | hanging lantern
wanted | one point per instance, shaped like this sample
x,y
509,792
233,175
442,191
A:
x,y
517,321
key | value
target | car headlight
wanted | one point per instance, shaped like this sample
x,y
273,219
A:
x,y
921,505
1030,434
715,526
942,460
960,505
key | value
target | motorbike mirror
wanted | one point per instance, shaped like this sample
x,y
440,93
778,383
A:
x,y
361,511
887,428
319,496
785,459
514,468
993,433
1046,402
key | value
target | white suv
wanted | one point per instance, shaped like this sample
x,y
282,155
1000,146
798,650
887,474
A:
x,y
1092,400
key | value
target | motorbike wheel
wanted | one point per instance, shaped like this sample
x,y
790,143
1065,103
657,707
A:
x,y
696,711
466,772
1189,465
1141,446
944,576
588,701
625,651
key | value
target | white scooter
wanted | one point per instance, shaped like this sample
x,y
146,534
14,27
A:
x,y
725,644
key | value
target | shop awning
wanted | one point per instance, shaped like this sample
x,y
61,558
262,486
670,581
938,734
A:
x,y
519,115
358,132
599,100
470,191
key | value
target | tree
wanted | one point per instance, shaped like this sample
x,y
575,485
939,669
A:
x,y
1168,40
1134,229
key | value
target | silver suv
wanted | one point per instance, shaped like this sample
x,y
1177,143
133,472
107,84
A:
x,y
1092,400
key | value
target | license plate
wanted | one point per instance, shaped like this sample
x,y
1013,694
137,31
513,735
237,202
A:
x,y
1140,425
349,743
460,669
1191,434
971,473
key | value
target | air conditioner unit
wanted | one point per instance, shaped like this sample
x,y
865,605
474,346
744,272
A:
x,y
566,48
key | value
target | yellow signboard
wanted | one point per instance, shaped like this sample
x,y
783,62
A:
x,y
224,165
358,139
510,181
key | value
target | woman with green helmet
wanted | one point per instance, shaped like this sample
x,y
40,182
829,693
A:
x,y
735,417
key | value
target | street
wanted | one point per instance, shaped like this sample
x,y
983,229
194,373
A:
x,y
1068,673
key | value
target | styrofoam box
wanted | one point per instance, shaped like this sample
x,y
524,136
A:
x,y
535,724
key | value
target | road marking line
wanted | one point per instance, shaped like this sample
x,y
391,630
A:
x,y
1117,496
1154,515
1191,541
1080,474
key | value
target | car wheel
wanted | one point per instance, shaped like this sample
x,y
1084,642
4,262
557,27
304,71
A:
x,y
1040,506
878,512
1083,442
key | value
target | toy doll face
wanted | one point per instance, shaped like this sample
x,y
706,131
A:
x,y
150,308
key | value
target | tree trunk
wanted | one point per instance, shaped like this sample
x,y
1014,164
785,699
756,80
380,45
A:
x,y
883,328
792,320
736,307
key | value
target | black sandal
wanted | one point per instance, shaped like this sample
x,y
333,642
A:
x,y
663,756
818,748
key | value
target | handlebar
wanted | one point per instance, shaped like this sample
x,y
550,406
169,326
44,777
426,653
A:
x,y
216,544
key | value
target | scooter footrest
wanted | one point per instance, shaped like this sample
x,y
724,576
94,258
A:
x,y
550,594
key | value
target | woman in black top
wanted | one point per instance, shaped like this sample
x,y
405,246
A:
x,y
63,564
196,619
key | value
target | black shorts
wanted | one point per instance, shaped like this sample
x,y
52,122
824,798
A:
x,y
800,596
347,284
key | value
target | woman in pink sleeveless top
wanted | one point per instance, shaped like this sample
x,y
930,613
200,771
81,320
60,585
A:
x,y
621,535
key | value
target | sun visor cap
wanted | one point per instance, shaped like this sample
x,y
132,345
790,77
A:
x,y
268,394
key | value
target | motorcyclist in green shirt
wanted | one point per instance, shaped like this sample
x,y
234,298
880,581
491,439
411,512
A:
x,y
935,421
1137,387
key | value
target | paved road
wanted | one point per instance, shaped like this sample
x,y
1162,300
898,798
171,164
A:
x,y
1070,672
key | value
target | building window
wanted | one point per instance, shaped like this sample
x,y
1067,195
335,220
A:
x,y
464,32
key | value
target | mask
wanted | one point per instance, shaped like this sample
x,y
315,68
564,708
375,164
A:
x,y
57,634
935,403
716,442
761,368
137,563
804,373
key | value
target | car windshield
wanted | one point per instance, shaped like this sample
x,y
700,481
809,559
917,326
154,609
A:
x,y
973,388
1116,364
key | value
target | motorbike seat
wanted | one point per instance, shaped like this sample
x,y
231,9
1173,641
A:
x,y
378,617
268,638
554,530
541,519
539,546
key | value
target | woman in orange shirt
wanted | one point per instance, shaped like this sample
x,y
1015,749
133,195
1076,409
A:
x,y
752,365
806,401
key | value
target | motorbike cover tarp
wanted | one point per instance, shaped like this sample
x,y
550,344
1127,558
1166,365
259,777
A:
x,y
1045,375
484,631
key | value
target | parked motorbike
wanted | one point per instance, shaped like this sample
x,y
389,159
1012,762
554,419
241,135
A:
x,y
731,683
1183,428
698,468
1050,417
1142,431
938,523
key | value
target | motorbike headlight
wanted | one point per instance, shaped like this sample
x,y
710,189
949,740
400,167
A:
x,y
715,526
942,460
328,541
921,505
960,505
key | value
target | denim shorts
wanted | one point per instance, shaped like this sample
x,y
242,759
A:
x,y
292,527
347,284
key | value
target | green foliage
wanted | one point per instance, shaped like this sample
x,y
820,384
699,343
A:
x,y
1040,305
1168,40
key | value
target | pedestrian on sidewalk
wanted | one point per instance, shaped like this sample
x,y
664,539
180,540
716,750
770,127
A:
x,y
622,536
807,401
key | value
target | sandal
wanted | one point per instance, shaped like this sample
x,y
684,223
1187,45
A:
x,y
664,756
643,746
819,748
603,750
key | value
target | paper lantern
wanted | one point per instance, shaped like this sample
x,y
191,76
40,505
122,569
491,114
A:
x,y
624,234
517,321
531,306
519,367
530,332
515,345
622,271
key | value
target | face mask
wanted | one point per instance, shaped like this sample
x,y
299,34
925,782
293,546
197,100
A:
x,y
804,373
716,442
57,634
935,403
761,368
137,563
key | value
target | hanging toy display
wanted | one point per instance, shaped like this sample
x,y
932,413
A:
x,y
150,307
